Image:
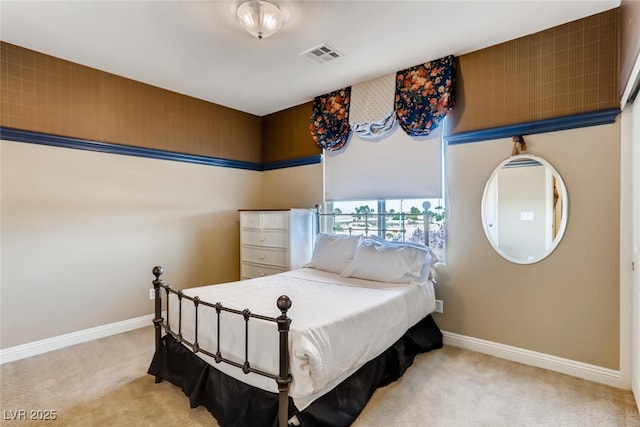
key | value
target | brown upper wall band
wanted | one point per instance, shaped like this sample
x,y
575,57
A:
x,y
569,69
45,94
565,70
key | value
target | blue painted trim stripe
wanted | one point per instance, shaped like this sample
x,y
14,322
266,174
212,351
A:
x,y
81,144
594,118
103,147
311,160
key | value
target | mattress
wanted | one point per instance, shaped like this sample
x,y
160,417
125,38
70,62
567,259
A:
x,y
338,324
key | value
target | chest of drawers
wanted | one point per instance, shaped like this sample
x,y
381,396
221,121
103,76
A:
x,y
274,241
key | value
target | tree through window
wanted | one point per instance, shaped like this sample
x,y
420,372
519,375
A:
x,y
396,220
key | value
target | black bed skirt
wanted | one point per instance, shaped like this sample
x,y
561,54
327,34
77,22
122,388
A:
x,y
236,404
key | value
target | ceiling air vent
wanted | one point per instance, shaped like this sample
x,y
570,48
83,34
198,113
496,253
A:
x,y
322,53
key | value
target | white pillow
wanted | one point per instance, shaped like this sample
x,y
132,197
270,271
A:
x,y
375,240
428,271
333,252
391,263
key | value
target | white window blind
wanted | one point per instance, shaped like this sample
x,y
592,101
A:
x,y
397,166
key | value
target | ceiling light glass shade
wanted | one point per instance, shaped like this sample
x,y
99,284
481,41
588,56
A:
x,y
260,18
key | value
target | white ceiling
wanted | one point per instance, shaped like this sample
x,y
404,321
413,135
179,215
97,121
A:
x,y
198,48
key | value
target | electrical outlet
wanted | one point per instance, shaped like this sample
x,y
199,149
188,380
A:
x,y
439,306
152,293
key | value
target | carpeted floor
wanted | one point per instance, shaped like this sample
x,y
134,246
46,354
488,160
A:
x,y
104,383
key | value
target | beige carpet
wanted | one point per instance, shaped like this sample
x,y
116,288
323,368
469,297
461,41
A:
x,y
104,383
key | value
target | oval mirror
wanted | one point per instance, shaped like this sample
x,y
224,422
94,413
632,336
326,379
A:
x,y
524,209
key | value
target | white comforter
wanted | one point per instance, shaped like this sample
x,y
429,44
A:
x,y
338,324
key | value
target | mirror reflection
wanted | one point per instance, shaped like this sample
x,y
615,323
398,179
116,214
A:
x,y
524,209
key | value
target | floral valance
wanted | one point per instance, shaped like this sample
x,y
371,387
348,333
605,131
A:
x,y
419,98
329,124
424,95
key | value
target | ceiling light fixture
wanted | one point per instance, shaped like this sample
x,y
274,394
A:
x,y
260,18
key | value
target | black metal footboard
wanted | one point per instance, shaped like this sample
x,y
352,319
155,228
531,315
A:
x,y
283,378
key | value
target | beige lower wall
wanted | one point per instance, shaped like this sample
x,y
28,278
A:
x,y
567,305
81,227
295,187
81,232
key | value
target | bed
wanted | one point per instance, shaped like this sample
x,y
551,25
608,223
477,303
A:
x,y
326,336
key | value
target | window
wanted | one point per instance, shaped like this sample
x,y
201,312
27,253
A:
x,y
380,188
396,220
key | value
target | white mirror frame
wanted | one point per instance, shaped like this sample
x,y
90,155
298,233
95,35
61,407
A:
x,y
487,226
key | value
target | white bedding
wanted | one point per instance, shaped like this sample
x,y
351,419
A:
x,y
338,324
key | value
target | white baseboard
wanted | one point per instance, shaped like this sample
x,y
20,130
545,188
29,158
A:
x,y
558,364
582,370
55,343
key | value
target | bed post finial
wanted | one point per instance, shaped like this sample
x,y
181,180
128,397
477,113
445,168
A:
x,y
284,304
157,320
158,271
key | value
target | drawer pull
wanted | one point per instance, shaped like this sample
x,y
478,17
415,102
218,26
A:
x,y
262,256
261,239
